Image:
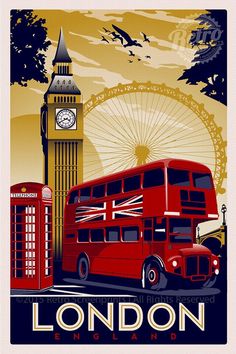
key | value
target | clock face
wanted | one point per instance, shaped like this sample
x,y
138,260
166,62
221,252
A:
x,y
65,118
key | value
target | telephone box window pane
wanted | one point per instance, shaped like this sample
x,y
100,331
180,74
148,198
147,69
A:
x,y
114,187
178,177
83,235
131,183
99,191
153,178
74,197
85,194
130,234
97,235
112,234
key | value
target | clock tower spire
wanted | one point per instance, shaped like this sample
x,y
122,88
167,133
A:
x,y
62,136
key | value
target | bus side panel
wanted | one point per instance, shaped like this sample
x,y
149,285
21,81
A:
x,y
154,201
121,259
69,263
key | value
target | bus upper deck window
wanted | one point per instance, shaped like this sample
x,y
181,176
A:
x,y
153,178
74,197
85,194
202,180
99,191
114,187
178,177
131,183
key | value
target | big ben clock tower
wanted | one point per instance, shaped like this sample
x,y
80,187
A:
x,y
62,137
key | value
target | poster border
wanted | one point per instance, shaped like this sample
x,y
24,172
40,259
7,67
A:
x,y
6,347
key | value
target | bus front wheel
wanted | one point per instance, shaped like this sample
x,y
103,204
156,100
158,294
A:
x,y
210,282
153,276
83,268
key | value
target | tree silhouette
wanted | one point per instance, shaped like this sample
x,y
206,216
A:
x,y
213,72
28,42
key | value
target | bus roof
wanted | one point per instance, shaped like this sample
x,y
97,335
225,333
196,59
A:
x,y
175,163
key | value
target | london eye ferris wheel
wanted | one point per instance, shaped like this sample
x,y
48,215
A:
x,y
136,123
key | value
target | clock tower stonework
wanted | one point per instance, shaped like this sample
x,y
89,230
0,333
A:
x,y
62,137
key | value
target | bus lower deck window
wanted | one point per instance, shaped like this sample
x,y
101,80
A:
x,y
112,234
130,233
97,235
83,235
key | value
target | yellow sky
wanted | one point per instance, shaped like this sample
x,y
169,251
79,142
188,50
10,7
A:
x,y
97,65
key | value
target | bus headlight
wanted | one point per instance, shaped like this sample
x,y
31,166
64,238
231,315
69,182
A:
x,y
174,263
217,271
215,262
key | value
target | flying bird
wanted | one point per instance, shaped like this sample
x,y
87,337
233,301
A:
x,y
116,36
146,39
126,36
106,30
147,56
104,39
131,54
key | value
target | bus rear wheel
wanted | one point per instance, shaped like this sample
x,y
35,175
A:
x,y
83,268
154,277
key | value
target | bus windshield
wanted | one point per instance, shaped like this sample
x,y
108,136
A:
x,y
202,180
180,230
178,177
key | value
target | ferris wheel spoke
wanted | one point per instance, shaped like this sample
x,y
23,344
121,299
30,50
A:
x,y
156,118
128,127
95,135
130,122
179,120
166,114
149,115
178,116
187,135
107,123
186,153
132,117
128,131
191,125
170,129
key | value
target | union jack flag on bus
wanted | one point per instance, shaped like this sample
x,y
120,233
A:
x,y
120,208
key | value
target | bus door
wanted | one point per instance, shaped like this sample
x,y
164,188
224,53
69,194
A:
x,y
154,236
131,250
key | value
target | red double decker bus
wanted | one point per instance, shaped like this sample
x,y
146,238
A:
x,y
141,224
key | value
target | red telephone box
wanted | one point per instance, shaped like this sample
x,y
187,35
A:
x,y
31,236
